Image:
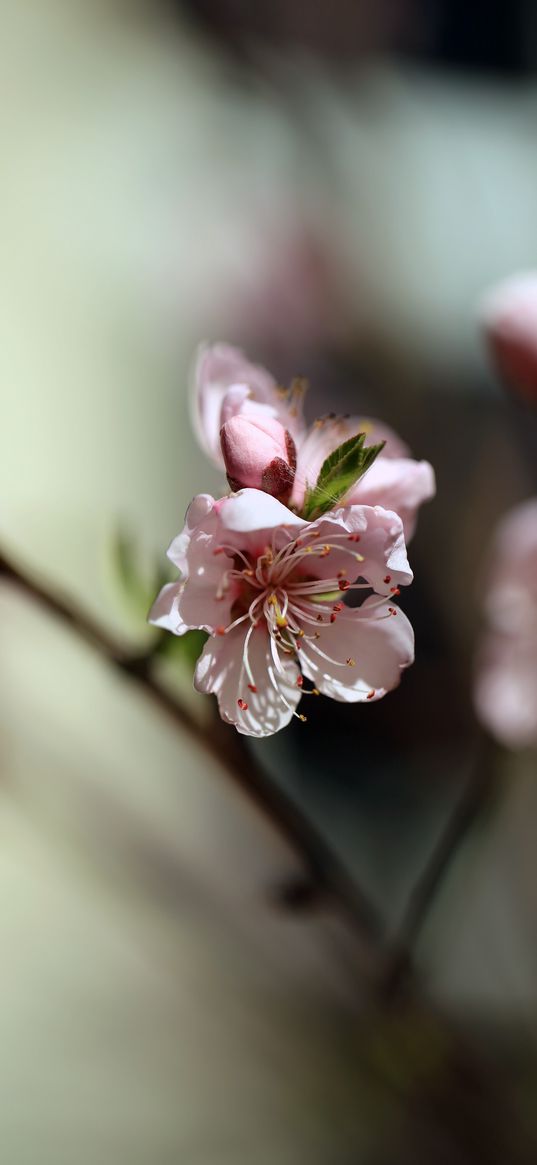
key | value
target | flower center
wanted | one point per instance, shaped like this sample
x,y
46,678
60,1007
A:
x,y
283,590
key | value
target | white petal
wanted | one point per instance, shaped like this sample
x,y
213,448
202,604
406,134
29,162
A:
x,y
379,645
164,611
252,509
220,669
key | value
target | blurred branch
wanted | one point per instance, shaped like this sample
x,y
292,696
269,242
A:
x,y
475,796
326,873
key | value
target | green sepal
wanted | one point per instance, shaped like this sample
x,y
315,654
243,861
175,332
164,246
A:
x,y
341,470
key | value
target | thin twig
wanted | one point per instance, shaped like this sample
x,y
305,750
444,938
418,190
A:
x,y
476,794
322,865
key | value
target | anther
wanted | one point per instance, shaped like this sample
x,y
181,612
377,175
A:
x,y
395,591
252,687
388,578
242,705
302,717
350,662
315,692
321,620
392,610
299,681
333,617
371,694
220,630
337,607
344,584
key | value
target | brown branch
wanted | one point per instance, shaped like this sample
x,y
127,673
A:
x,y
322,866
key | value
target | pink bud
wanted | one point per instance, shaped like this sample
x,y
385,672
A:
x,y
258,453
509,317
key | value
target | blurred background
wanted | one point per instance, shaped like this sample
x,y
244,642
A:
x,y
331,187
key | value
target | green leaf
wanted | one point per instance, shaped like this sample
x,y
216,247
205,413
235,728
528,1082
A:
x,y
341,470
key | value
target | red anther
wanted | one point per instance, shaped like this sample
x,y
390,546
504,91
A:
x,y
395,591
371,694
388,578
344,584
299,681
242,705
319,618
333,617
353,537
337,607
252,687
220,550
221,630
392,610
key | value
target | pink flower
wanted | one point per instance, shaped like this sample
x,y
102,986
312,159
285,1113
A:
x,y
259,452
270,588
506,676
509,318
227,386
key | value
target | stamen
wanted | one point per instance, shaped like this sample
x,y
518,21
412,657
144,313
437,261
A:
x,y
252,687
371,694
388,579
350,662
242,705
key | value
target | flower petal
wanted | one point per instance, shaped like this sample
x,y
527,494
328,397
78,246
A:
x,y
397,483
253,510
380,546
164,612
505,691
198,510
218,367
221,670
368,648
326,434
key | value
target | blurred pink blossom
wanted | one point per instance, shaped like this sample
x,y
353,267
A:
x,y
268,587
506,674
509,318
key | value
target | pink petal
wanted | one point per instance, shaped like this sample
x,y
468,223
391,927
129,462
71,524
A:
x,y
509,318
505,691
380,646
218,368
252,510
220,669
164,612
326,434
198,510
380,547
399,484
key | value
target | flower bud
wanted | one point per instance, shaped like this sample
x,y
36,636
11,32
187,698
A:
x,y
259,453
509,317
